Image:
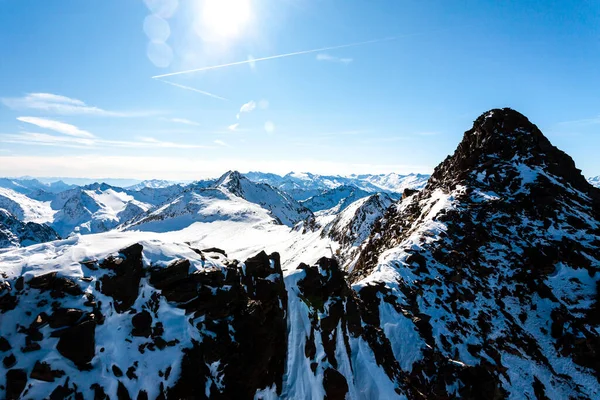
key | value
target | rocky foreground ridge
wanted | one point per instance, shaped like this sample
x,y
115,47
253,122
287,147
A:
x,y
485,284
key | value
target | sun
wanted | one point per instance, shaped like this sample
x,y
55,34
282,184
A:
x,y
225,18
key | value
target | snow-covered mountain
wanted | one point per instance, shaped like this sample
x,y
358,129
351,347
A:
x,y
88,209
230,198
16,233
94,208
349,229
393,183
301,186
334,200
26,185
595,181
483,285
353,225
151,183
25,208
281,206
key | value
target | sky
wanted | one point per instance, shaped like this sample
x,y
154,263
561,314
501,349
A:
x,y
189,89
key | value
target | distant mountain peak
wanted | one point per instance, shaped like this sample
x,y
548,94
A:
x,y
231,180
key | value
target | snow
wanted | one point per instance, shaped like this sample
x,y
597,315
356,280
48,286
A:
x,y
25,208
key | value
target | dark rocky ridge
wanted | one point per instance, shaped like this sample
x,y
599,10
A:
x,y
495,267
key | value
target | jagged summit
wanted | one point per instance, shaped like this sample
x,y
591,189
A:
x,y
504,150
497,260
231,180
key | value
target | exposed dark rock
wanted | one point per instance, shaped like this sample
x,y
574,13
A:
x,y
99,393
122,393
124,281
16,379
78,343
57,285
9,361
42,371
8,302
240,310
142,323
177,271
62,317
408,192
336,386
117,371
4,344
142,395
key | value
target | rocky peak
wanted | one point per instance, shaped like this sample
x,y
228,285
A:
x,y
231,180
504,150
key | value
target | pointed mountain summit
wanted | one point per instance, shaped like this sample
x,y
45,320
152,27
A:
x,y
496,263
279,204
503,151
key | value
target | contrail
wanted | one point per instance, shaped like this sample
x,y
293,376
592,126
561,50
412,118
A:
x,y
297,53
191,88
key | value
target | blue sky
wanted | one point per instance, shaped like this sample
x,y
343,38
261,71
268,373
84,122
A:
x,y
78,97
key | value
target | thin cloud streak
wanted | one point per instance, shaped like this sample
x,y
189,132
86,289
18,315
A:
x,y
297,53
57,126
43,139
330,58
192,89
183,121
63,105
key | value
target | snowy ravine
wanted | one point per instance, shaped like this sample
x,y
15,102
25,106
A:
x,y
483,285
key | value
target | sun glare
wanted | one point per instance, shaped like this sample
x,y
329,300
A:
x,y
225,18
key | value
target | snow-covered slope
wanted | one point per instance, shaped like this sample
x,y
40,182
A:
x,y
205,205
353,225
16,233
595,181
24,208
94,208
25,186
280,205
334,200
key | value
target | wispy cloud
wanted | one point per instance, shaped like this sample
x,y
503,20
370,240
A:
x,y
214,96
330,58
62,105
183,121
57,126
233,127
255,60
43,139
248,107
221,143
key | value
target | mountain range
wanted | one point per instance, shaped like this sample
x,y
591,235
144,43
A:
x,y
481,281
